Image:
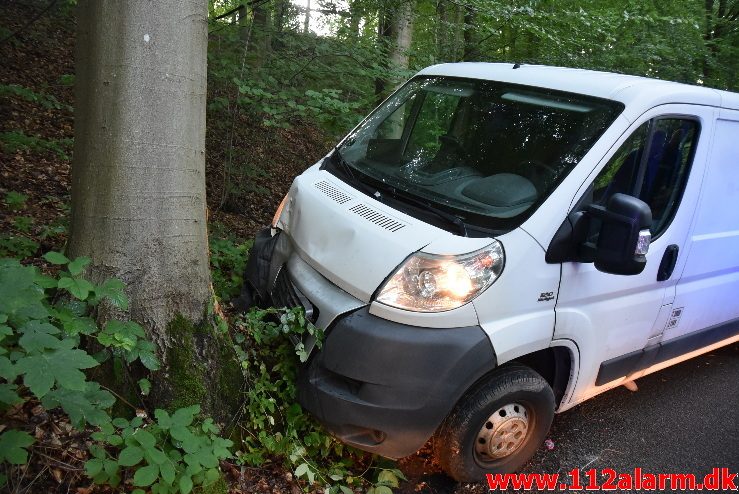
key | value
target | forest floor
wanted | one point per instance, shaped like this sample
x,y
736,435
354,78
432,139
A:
x,y
620,430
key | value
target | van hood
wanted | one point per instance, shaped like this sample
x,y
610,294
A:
x,y
353,240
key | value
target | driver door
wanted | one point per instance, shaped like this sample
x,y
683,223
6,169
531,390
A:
x,y
612,318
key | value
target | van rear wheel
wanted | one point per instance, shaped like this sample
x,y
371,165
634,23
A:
x,y
497,426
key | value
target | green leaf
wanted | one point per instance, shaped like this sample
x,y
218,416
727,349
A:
x,y
78,287
130,456
78,265
98,451
387,477
383,489
144,438
7,369
185,484
93,467
80,325
20,297
149,360
302,469
144,386
185,416
45,281
8,394
82,407
146,475
37,336
113,290
13,444
211,475
120,423
163,418
62,365
168,472
155,455
56,258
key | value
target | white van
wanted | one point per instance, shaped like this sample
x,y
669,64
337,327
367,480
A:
x,y
498,242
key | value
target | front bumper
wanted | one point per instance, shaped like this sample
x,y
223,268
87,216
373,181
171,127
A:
x,y
378,385
385,387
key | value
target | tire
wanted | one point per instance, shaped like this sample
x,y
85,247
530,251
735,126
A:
x,y
460,440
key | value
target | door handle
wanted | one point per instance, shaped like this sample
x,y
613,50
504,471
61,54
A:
x,y
669,259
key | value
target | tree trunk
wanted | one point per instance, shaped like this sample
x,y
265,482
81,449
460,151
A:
x,y
355,15
243,21
442,31
261,34
470,43
306,22
402,30
138,186
384,35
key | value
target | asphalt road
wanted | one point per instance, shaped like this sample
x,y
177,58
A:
x,y
684,419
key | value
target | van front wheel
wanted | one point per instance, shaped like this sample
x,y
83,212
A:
x,y
497,426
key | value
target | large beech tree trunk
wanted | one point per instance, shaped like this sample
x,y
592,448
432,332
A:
x,y
138,184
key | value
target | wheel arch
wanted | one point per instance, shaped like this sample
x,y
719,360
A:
x,y
555,364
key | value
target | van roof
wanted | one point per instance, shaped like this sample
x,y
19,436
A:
x,y
628,89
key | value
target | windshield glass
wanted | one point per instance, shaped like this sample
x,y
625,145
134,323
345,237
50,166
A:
x,y
489,152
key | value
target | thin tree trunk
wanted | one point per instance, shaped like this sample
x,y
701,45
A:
x,y
470,43
384,35
708,40
243,24
441,31
261,34
402,30
355,15
138,184
306,24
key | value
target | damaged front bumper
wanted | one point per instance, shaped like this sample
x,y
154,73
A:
x,y
378,385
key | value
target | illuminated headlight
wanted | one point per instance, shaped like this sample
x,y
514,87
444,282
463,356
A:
x,y
430,283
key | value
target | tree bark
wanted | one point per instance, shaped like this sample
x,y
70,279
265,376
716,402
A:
x,y
261,34
470,43
138,184
384,35
306,22
402,30
442,31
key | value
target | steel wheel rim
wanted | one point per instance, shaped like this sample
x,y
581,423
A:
x,y
503,433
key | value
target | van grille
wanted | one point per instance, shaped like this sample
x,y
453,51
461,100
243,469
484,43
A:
x,y
332,192
376,217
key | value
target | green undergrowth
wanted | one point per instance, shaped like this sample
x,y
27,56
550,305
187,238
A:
x,y
45,322
274,427
48,325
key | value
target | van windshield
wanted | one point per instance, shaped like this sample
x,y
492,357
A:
x,y
488,152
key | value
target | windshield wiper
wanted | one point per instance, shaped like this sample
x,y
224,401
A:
x,y
450,218
349,171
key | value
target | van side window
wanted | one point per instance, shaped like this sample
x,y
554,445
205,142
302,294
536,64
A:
x,y
653,165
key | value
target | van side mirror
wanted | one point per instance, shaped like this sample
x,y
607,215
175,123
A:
x,y
623,238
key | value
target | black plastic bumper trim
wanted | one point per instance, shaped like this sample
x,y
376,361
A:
x,y
624,365
385,387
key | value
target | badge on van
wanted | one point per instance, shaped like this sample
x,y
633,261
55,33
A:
x,y
546,296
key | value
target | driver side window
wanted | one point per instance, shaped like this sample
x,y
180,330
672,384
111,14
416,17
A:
x,y
653,165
